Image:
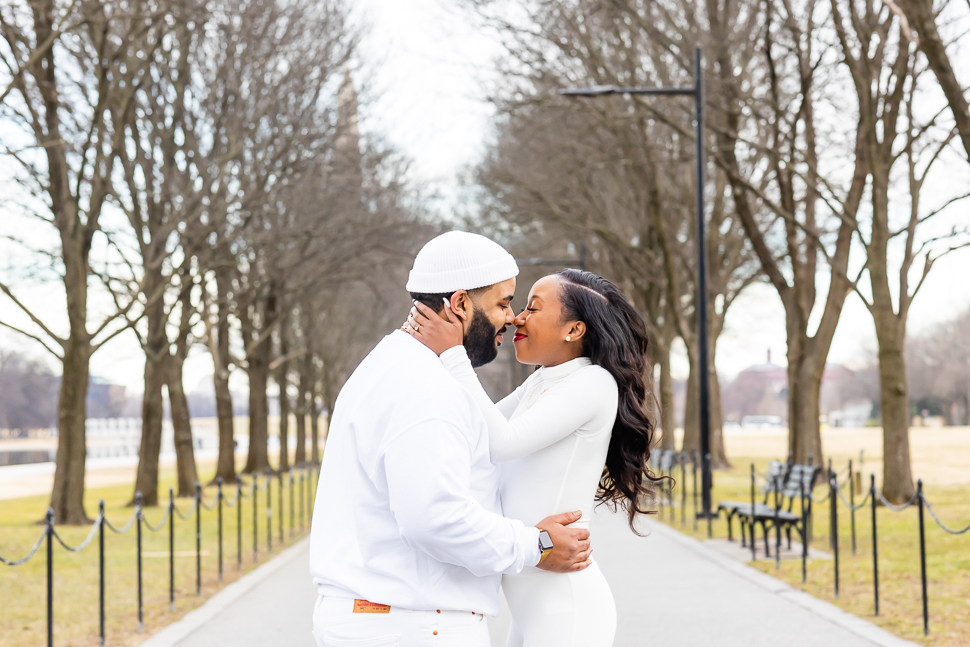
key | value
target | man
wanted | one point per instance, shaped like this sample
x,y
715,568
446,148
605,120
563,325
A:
x,y
408,542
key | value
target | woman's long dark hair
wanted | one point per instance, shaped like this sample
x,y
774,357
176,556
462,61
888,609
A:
x,y
616,339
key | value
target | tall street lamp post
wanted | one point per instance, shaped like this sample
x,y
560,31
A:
x,y
704,390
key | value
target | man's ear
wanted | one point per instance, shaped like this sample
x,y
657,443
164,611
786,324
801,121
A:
x,y
461,305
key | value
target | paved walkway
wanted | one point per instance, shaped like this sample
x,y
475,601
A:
x,y
670,590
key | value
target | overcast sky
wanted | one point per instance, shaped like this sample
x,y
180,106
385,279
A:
x,y
431,67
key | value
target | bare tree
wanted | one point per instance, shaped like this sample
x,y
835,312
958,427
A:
x,y
885,72
67,87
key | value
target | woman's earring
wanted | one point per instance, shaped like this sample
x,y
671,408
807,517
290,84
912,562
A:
x,y
568,338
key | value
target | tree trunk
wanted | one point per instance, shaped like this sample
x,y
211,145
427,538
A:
x,y
897,477
692,423
182,429
258,370
221,359
156,355
67,497
804,389
303,407
666,417
284,400
692,439
314,435
718,454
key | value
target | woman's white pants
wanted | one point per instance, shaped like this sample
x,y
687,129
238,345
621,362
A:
x,y
336,625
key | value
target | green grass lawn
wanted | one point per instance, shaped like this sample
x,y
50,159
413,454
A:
x,y
23,588
948,558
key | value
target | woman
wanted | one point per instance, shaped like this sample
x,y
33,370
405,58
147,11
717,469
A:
x,y
585,406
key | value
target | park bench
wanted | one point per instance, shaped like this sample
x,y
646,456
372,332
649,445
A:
x,y
784,483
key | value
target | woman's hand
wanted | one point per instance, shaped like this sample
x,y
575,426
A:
x,y
430,329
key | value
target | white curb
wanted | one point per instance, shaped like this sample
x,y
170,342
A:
x,y
180,629
850,622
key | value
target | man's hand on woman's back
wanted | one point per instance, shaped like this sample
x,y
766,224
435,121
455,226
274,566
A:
x,y
570,546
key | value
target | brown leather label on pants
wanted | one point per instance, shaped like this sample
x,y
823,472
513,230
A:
x,y
363,606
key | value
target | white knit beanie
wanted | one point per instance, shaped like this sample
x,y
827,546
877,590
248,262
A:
x,y
459,260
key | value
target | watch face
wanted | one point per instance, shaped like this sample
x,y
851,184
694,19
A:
x,y
545,541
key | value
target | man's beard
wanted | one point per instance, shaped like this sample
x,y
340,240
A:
x,y
479,341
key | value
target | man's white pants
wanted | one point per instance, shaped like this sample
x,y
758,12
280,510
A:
x,y
336,625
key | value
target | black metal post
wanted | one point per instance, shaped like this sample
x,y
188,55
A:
x,y
831,503
875,544
922,558
269,510
198,538
683,488
101,572
693,469
219,503
777,488
835,530
852,503
50,576
141,607
302,502
238,523
255,518
171,549
754,550
704,383
801,491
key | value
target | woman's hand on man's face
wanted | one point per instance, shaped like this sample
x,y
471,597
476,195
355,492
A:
x,y
432,330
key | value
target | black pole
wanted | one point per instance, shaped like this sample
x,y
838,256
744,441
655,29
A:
x,y
852,503
683,488
754,550
238,523
922,558
219,500
255,517
141,614
171,549
198,538
710,514
835,530
269,510
693,469
704,392
302,502
50,576
831,503
101,572
875,543
777,488
801,491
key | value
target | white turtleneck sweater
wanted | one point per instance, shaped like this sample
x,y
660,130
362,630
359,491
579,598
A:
x,y
550,435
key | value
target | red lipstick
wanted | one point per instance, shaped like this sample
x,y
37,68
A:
x,y
518,336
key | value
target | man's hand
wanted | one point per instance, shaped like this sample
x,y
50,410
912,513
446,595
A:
x,y
570,546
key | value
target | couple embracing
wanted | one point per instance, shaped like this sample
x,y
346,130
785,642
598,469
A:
x,y
431,495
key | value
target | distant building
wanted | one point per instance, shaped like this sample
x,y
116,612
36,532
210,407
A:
x,y
760,392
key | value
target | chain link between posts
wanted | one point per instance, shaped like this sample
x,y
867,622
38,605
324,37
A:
x,y
83,544
37,545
